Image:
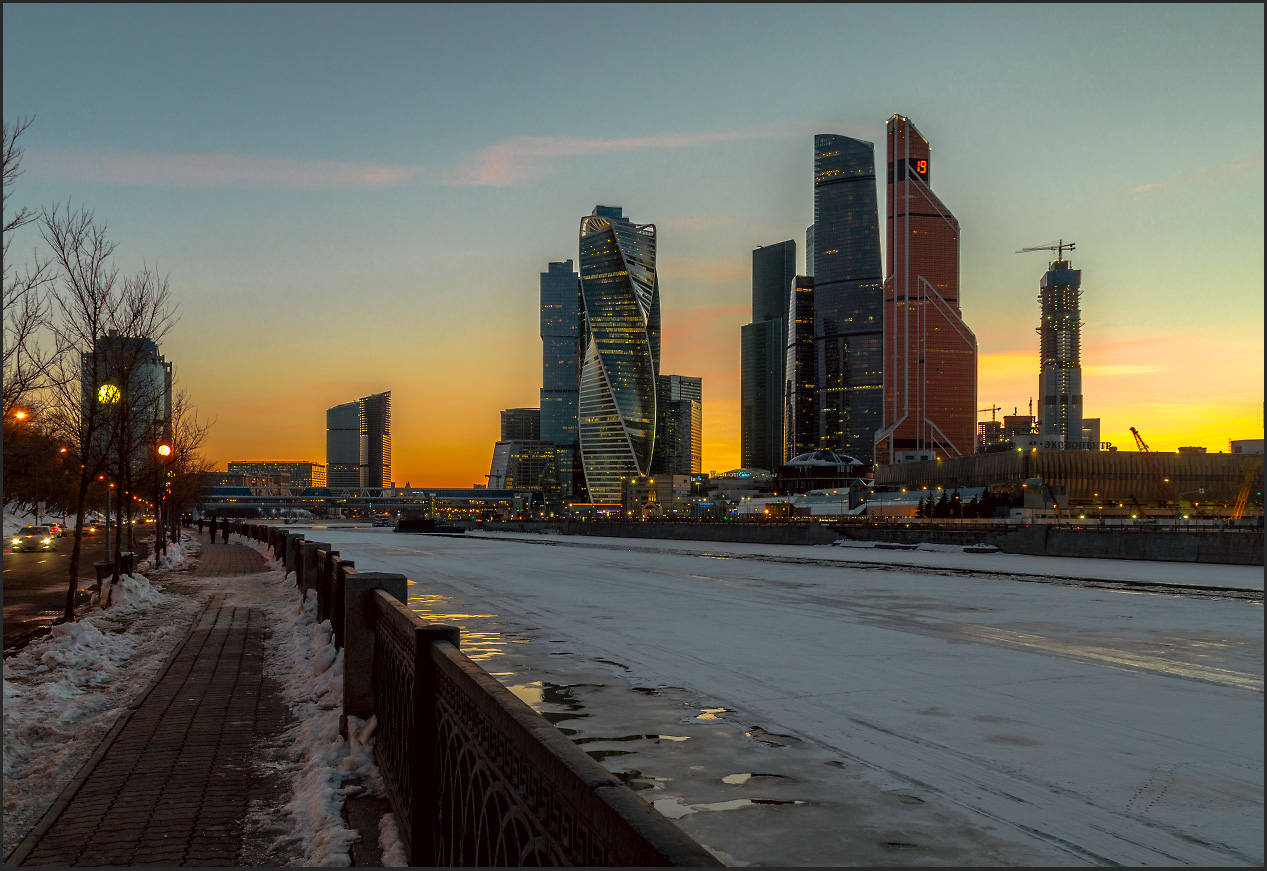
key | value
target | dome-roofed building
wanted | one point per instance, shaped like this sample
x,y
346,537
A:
x,y
818,470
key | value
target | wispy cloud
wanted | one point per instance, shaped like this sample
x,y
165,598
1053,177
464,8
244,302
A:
x,y
525,159
214,170
514,162
1221,172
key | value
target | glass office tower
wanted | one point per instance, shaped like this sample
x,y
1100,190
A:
x,y
930,355
848,297
763,357
798,390
561,350
343,440
621,299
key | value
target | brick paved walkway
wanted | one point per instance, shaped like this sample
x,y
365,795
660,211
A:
x,y
172,782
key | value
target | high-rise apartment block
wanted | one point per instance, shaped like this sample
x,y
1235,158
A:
x,y
621,299
930,355
763,355
561,352
799,421
129,381
1060,353
848,297
359,442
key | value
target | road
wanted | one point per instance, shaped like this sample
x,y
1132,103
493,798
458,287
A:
x,y
1098,726
35,582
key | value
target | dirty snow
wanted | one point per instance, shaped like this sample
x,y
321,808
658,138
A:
x,y
323,767
62,693
1010,722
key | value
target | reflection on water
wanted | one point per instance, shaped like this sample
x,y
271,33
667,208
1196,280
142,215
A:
x,y
478,644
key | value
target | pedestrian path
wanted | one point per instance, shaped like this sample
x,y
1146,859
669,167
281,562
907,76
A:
x,y
172,782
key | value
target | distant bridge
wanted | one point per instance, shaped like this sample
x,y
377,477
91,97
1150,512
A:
x,y
386,498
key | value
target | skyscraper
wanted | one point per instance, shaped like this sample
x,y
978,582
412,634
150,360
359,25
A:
x,y
1060,350
763,356
561,351
679,425
798,390
930,355
375,454
521,424
848,297
343,445
621,299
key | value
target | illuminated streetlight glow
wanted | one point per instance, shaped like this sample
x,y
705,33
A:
x,y
108,394
164,450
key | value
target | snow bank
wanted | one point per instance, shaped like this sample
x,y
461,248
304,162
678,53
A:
x,y
328,768
63,692
177,556
390,844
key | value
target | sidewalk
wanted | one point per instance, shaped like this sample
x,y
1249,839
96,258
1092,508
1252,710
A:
x,y
172,782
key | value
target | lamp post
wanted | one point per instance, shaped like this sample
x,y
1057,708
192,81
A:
x,y
160,538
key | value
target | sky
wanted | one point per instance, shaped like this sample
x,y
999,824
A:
x,y
351,199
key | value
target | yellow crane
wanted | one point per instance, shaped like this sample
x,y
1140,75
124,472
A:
x,y
1252,474
1060,247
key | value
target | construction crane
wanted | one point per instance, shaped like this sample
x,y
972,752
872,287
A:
x,y
992,409
1060,247
1252,474
1139,440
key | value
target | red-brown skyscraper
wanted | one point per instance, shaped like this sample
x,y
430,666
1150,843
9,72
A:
x,y
930,355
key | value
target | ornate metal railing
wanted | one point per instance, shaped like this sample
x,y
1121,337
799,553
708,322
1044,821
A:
x,y
475,777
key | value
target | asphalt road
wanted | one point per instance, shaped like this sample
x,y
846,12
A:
x,y
35,583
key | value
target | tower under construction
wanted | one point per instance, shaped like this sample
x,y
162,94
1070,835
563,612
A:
x,y
1060,350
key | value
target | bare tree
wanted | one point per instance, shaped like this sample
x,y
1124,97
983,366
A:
x,y
106,332
187,465
25,303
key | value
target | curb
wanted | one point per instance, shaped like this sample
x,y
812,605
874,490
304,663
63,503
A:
x,y
37,833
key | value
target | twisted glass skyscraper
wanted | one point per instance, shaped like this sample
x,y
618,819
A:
x,y
621,297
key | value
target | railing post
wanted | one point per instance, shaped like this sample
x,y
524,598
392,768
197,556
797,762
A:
x,y
334,608
424,766
309,577
358,639
294,544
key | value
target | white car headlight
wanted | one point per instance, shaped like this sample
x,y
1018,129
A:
x,y
17,541
46,541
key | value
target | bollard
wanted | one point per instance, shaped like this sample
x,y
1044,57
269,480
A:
x,y
358,633
295,558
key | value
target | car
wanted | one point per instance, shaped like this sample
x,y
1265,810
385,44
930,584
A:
x,y
58,530
34,538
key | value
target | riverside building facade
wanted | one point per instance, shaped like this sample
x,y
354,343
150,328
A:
x,y
930,355
620,296
798,391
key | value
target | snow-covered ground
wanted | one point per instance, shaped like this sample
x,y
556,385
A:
x,y
62,693
901,709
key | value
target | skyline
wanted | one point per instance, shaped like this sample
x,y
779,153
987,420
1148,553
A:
x,y
441,219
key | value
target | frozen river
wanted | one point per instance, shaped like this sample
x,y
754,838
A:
x,y
896,709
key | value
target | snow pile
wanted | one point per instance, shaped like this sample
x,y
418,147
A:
x,y
63,692
390,844
131,593
329,768
177,556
